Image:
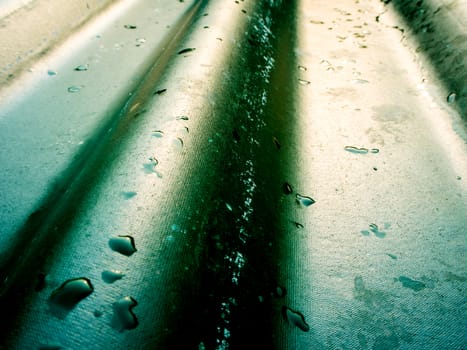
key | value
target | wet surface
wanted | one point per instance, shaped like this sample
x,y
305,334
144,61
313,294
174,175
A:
x,y
282,188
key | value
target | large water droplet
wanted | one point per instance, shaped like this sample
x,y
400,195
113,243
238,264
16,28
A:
x,y
123,244
75,88
304,200
110,276
295,318
70,293
353,149
124,318
82,68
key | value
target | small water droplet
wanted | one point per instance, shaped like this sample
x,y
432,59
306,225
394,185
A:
x,y
459,178
280,291
304,82
140,41
182,117
158,133
82,68
71,292
297,224
304,200
160,92
124,318
365,232
75,88
52,72
353,149
130,26
316,22
374,150
295,318
392,256
451,97
123,244
128,194
360,81
188,49
110,276
98,313
276,142
375,229
287,188
229,207
302,68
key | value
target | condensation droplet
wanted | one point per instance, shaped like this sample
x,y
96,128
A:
x,y
123,244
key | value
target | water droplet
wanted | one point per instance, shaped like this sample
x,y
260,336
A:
x,y
124,318
360,81
295,318
297,224
178,143
182,117
98,313
160,92
412,284
374,150
158,133
52,72
188,49
280,291
70,293
316,22
304,200
75,88
392,256
140,41
123,244
287,188
375,229
459,178
110,276
353,149
129,194
451,97
302,68
82,68
130,26
229,207
304,82
276,142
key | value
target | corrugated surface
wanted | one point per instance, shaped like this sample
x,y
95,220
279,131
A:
x,y
292,174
